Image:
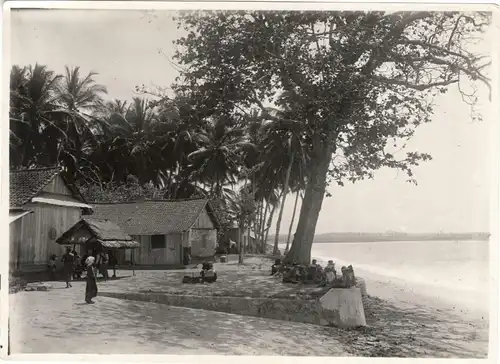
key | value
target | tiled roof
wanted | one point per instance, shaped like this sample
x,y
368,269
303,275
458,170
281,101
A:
x,y
151,217
27,183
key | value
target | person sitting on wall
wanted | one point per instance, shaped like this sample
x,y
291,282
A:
x,y
348,276
312,270
292,274
208,273
330,272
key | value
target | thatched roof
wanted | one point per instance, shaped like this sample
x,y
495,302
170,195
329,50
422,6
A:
x,y
105,232
154,216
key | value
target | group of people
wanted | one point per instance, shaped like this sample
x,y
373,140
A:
x,y
74,266
314,273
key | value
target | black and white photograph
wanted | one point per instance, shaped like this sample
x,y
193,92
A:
x,y
237,179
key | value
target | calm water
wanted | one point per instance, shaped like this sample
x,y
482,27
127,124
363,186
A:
x,y
456,265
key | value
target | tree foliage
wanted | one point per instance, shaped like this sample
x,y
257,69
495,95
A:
x,y
359,82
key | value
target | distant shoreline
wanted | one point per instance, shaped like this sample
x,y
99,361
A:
x,y
390,237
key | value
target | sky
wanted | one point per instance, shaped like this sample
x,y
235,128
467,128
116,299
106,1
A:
x,y
130,48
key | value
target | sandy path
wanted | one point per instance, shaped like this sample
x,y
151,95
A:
x,y
57,321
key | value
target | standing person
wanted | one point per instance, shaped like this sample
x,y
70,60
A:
x,y
102,265
113,262
91,287
68,260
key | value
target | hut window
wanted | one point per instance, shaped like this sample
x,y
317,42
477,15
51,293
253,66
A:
x,y
158,242
204,241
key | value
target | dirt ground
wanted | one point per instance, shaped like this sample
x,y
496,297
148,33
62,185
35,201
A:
x,y
406,325
57,321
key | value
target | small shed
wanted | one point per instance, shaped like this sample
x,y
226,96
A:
x,y
97,235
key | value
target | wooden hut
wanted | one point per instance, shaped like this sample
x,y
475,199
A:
x,y
93,235
167,230
42,206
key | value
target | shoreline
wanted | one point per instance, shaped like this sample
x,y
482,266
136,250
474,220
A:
x,y
467,303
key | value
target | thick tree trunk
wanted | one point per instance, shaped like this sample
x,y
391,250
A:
x,y
268,227
291,223
280,215
300,251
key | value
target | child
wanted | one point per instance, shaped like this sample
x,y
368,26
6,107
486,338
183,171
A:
x,y
52,267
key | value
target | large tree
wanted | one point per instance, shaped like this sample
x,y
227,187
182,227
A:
x,y
358,81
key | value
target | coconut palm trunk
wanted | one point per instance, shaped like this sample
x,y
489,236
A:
x,y
248,247
240,241
268,226
280,215
291,223
263,237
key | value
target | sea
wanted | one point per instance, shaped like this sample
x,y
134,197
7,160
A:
x,y
459,267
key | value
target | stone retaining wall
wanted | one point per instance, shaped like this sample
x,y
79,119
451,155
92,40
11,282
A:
x,y
306,311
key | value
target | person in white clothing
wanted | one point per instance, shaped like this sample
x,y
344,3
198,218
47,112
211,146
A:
x,y
330,272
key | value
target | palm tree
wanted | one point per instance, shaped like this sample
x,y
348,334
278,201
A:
x,y
32,113
219,154
284,151
117,107
81,103
140,115
80,94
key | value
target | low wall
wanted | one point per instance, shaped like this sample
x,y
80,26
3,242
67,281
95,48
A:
x,y
306,311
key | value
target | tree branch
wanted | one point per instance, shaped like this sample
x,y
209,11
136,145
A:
x,y
417,87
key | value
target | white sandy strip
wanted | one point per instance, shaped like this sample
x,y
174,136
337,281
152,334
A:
x,y
386,284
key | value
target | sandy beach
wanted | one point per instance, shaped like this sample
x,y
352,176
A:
x,y
401,322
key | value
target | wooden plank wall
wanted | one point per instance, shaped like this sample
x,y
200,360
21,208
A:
x,y
203,242
203,236
170,255
15,237
203,221
34,242
57,185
